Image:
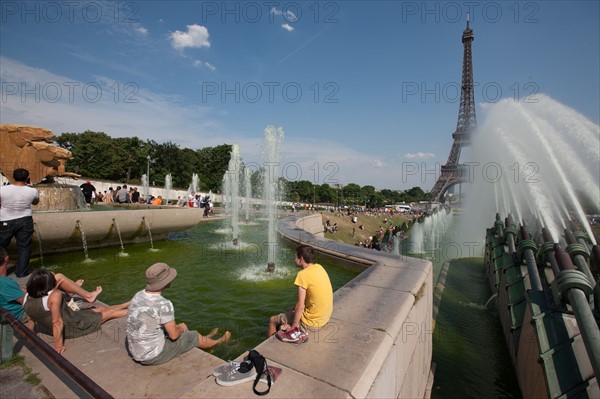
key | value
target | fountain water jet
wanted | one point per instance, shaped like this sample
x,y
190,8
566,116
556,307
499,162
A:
x,y
195,183
83,240
147,226
146,186
547,158
38,236
248,190
271,155
168,187
232,191
122,253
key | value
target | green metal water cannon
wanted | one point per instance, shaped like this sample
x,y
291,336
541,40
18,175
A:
x,y
499,225
526,252
510,232
595,259
581,236
509,226
575,289
580,255
595,265
546,253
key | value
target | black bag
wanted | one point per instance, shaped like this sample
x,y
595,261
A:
x,y
260,364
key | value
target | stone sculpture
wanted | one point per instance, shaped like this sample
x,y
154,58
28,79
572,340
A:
x,y
30,147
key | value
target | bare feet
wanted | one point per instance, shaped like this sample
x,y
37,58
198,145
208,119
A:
x,y
80,282
94,294
212,332
225,337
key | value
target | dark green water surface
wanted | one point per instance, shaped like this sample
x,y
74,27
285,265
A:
x,y
468,345
216,285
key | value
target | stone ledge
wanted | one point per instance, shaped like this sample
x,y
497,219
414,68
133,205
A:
x,y
370,313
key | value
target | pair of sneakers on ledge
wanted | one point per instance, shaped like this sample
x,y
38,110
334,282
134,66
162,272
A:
x,y
294,335
234,373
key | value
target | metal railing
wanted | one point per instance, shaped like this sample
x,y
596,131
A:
x,y
72,372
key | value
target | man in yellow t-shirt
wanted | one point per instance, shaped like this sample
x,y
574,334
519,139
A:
x,y
315,300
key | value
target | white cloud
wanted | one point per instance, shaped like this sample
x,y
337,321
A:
x,y
419,155
288,15
200,63
287,27
195,37
141,30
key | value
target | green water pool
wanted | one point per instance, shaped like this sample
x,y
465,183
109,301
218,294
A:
x,y
216,285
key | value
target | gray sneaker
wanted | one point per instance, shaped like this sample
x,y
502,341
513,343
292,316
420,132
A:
x,y
245,372
226,368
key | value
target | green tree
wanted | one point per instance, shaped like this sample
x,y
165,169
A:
x,y
326,194
213,165
352,193
94,153
130,158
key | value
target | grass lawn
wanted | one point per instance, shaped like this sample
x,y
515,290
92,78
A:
x,y
371,225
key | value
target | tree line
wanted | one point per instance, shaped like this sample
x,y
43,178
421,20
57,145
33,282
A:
x,y
125,159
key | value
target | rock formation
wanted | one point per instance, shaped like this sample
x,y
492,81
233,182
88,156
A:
x,y
30,147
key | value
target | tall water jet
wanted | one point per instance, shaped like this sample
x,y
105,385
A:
x,y
146,186
271,155
232,191
195,183
119,234
536,161
38,236
147,226
83,239
168,187
248,189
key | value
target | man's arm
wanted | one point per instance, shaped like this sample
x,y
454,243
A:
x,y
174,330
36,200
299,308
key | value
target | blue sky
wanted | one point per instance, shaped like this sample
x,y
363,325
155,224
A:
x,y
364,90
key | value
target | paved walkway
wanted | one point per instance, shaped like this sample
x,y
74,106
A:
x,y
14,384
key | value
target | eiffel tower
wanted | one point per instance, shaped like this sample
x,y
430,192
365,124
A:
x,y
452,172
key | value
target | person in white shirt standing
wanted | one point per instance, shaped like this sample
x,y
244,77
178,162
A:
x,y
16,218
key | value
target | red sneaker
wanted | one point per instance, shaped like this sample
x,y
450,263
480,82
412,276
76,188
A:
x,y
293,336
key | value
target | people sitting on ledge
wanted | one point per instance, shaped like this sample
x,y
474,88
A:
x,y
47,307
12,295
157,200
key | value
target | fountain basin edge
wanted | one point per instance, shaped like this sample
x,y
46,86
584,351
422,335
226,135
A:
x,y
59,232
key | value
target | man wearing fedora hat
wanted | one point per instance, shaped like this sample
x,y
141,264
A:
x,y
151,317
